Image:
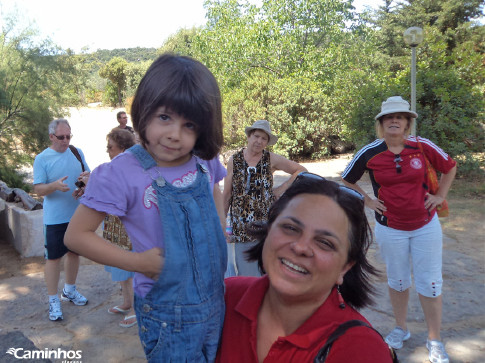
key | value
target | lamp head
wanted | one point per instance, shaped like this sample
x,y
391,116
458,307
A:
x,y
413,36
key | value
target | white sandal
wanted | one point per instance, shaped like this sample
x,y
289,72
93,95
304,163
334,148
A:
x,y
128,325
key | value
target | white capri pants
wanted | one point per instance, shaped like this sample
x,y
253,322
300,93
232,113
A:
x,y
423,248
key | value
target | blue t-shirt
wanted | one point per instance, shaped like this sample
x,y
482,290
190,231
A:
x,y
50,166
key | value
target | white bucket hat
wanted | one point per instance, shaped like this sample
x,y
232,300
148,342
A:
x,y
395,104
262,125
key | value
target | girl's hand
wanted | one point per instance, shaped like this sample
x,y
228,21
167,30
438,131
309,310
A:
x,y
151,263
376,205
432,201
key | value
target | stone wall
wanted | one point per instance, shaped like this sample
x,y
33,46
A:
x,y
23,229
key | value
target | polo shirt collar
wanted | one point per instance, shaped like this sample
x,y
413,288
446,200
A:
x,y
310,332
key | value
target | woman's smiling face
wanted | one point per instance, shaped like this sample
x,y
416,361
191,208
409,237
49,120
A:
x,y
305,251
395,124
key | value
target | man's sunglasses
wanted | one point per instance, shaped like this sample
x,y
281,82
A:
x,y
352,192
63,136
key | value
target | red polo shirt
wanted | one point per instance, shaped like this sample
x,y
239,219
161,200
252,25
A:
x,y
244,296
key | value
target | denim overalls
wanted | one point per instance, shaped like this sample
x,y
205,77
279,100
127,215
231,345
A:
x,y
181,318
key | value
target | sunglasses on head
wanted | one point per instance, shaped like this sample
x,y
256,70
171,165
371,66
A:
x,y
63,136
397,160
350,191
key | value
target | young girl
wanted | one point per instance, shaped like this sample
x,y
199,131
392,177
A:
x,y
165,192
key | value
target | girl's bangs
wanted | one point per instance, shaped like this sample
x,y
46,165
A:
x,y
188,102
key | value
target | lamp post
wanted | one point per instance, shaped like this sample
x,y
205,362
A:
x,y
413,37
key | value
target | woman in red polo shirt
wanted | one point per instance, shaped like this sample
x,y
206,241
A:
x,y
407,227
313,251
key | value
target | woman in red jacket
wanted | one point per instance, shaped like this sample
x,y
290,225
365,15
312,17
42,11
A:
x,y
313,251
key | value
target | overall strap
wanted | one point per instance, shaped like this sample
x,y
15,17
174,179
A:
x,y
143,157
341,329
76,154
201,167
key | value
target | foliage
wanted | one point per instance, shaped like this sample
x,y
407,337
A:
x,y
131,55
180,42
13,178
33,79
82,89
110,94
279,62
134,73
115,72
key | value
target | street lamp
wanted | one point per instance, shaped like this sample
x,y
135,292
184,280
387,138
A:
x,y
413,37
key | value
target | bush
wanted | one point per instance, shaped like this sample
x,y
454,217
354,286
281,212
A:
x,y
297,110
14,178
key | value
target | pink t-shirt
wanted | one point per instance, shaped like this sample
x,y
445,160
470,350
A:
x,y
122,188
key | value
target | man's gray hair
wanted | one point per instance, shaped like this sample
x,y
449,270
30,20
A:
x,y
53,125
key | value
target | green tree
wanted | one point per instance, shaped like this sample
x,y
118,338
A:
x,y
279,61
33,79
450,72
115,72
134,74
180,42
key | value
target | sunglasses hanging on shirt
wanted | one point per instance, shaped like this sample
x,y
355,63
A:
x,y
397,160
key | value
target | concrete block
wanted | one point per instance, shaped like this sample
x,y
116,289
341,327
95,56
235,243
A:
x,y
23,229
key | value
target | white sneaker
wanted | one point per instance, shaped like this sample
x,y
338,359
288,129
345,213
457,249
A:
x,y
55,311
76,298
437,352
396,338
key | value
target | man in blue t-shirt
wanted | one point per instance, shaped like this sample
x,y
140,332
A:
x,y
57,172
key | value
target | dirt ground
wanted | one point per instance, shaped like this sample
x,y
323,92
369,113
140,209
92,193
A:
x,y
23,300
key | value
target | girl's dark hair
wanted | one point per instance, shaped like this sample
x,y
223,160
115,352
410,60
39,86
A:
x,y
185,86
123,138
357,289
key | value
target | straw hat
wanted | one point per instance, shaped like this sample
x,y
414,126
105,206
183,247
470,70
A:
x,y
395,104
263,125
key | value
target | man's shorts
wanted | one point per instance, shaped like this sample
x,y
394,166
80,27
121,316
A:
x,y
54,246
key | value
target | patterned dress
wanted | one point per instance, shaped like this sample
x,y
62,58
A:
x,y
252,193
115,232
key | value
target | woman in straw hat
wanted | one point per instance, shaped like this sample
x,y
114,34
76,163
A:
x,y
248,189
407,229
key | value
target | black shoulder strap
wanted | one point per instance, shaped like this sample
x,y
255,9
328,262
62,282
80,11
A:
x,y
323,352
76,154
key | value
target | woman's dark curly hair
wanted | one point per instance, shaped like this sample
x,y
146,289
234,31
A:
x,y
357,289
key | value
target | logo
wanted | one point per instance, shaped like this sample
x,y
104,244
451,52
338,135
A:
x,y
416,163
13,351
67,356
